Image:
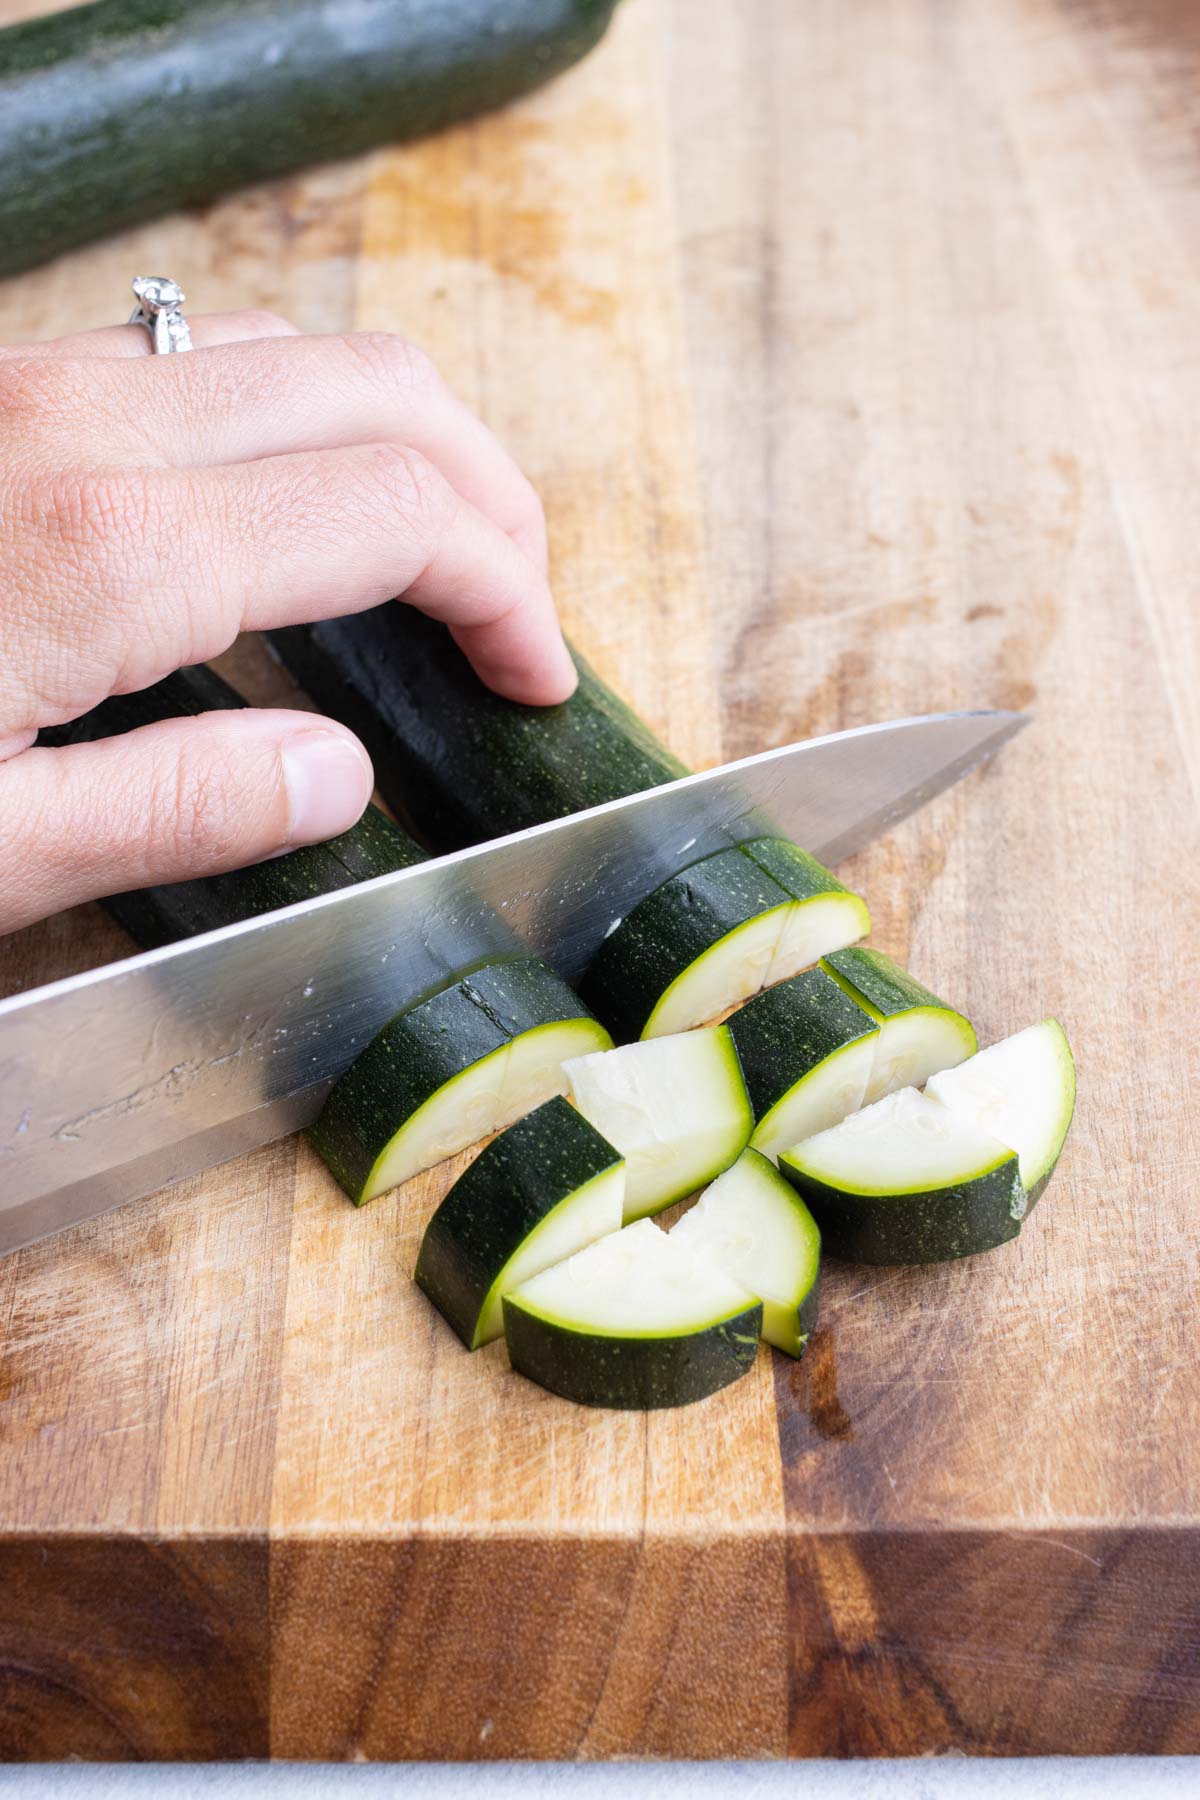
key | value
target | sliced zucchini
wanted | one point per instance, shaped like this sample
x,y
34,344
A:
x,y
918,1033
806,1052
676,1108
636,1321
536,1194
754,1226
908,1180
1022,1092
444,1073
717,932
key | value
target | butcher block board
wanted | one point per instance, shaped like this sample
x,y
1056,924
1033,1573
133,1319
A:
x,y
853,350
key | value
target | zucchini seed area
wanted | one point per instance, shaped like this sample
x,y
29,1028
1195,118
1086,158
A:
x,y
1020,1091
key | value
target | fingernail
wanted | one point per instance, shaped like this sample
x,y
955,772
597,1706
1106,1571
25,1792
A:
x,y
328,779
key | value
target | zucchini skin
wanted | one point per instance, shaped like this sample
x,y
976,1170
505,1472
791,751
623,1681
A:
x,y
632,1374
939,1225
878,984
506,1193
457,762
163,915
423,1048
119,111
784,1033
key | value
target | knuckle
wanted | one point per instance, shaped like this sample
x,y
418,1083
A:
x,y
411,487
392,359
90,511
192,812
33,394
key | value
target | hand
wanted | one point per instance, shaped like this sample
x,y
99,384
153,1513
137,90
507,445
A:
x,y
151,508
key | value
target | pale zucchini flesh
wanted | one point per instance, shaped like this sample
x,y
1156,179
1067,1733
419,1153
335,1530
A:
x,y
918,1033
1020,1091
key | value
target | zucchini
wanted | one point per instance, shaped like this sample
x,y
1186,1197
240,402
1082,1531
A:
x,y
918,1033
807,1051
163,915
908,1180
457,762
714,934
1022,1092
754,1226
539,1192
676,1108
449,1070
635,1321
125,109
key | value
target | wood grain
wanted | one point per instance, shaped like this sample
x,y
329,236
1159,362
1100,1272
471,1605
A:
x,y
852,352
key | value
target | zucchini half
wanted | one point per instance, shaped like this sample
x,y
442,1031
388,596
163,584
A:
x,y
634,1321
711,936
676,1108
1021,1091
908,1180
536,1194
918,1033
448,1071
753,1226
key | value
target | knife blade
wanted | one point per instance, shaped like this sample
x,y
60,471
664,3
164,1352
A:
x,y
119,1080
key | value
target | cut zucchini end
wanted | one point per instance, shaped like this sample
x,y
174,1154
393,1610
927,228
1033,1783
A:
x,y
593,1211
823,1098
732,969
1021,1091
754,1226
816,928
913,1046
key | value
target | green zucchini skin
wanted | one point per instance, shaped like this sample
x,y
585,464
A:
x,y
664,934
782,1034
877,983
122,110
423,1048
494,1206
632,1374
457,762
163,915
937,1226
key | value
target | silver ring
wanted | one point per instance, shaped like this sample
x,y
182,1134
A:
x,y
160,310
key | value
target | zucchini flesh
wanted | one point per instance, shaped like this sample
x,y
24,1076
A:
x,y
449,1070
538,1193
676,1108
181,909
752,1224
125,109
711,936
918,1033
807,1052
1022,1092
457,762
908,1180
634,1321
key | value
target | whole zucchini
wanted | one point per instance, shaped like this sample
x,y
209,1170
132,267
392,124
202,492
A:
x,y
118,111
180,909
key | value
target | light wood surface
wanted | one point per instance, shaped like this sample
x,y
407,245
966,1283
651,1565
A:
x,y
853,352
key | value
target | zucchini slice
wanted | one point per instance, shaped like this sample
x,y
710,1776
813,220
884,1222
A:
x,y
752,1224
908,1180
918,1033
636,1321
716,933
536,1194
163,915
807,1051
457,762
448,1071
676,1108
1022,1092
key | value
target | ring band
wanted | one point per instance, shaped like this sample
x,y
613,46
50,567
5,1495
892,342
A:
x,y
160,309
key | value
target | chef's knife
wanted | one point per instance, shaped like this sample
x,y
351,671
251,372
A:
x,y
122,1079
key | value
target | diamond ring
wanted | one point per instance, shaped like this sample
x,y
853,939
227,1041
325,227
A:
x,y
160,309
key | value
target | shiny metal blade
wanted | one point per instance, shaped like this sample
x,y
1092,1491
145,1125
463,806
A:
x,y
119,1080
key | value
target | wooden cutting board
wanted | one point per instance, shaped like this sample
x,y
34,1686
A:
x,y
853,349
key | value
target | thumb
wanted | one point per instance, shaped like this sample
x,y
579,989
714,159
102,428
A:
x,y
171,801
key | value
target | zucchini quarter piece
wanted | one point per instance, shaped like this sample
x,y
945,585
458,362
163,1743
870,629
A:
x,y
1021,1091
447,1071
635,1320
754,1226
918,1033
907,1181
714,934
676,1108
806,1052
536,1194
